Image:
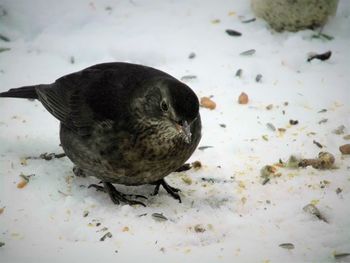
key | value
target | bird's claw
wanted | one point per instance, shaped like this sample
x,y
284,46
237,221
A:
x,y
116,196
170,190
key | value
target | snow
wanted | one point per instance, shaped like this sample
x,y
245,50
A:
x,y
244,221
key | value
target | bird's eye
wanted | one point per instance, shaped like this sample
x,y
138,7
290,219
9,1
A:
x,y
164,106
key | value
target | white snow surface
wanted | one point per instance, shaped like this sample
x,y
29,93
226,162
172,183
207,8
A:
x,y
244,221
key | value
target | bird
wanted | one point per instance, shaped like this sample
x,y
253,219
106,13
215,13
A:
x,y
122,123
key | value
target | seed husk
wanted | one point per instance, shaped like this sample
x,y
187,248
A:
x,y
317,144
201,148
188,77
249,52
159,217
323,121
107,235
341,255
286,245
239,73
233,33
248,20
258,78
312,209
192,55
271,126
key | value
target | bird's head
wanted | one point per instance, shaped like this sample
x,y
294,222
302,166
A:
x,y
170,105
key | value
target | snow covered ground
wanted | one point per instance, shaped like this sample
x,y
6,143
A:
x,y
227,214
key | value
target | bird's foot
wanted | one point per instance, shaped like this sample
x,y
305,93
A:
x,y
116,196
170,190
78,172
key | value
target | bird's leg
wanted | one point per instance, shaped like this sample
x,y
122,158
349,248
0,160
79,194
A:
x,y
170,190
116,196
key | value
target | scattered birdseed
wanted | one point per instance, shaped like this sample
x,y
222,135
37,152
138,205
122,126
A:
x,y
186,179
233,33
159,217
338,190
345,149
2,210
318,144
107,235
86,213
2,244
199,228
271,126
325,160
322,111
206,102
222,125
4,38
265,137
258,78
248,20
340,255
269,107
201,148
312,209
286,245
192,55
293,122
249,52
322,121
3,49
239,73
346,137
188,77
196,165
340,130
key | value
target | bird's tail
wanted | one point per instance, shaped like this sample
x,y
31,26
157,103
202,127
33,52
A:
x,y
27,92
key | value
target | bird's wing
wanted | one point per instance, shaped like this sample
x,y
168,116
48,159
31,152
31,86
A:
x,y
65,100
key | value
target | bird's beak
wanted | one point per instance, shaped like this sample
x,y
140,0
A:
x,y
185,129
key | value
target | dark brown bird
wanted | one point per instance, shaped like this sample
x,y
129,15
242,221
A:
x,y
122,123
